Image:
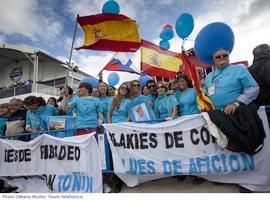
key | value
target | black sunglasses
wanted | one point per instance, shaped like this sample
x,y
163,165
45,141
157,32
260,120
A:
x,y
136,85
222,56
160,87
151,86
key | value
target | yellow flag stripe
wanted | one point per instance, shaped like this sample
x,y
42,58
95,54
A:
x,y
125,30
162,61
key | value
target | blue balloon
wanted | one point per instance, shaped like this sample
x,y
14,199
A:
x,y
143,80
184,25
91,80
164,44
212,37
111,7
166,34
113,79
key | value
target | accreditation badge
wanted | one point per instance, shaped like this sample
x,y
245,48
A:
x,y
211,90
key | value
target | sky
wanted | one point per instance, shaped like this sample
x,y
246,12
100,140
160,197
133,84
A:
x,y
48,25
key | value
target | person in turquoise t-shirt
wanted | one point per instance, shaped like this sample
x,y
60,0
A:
x,y
4,114
118,111
165,105
38,113
152,87
105,99
228,85
187,100
88,108
139,107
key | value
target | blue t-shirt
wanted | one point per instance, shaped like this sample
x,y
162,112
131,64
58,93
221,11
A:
x,y
230,82
38,119
187,103
69,111
152,99
3,121
177,93
105,103
164,105
87,109
120,114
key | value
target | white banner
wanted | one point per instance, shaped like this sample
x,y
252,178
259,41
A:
x,y
69,164
144,152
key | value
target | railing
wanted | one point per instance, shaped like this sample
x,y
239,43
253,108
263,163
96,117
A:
x,y
25,89
45,89
14,91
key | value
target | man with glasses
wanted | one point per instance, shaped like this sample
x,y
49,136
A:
x,y
228,85
151,85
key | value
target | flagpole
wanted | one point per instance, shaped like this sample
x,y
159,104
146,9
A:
x,y
71,51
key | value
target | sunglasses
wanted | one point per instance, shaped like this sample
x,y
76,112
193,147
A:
x,y
136,85
151,86
160,87
222,56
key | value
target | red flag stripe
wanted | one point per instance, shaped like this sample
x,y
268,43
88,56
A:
x,y
95,19
110,45
149,45
154,71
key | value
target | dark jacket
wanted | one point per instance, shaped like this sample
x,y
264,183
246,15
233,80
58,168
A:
x,y
18,115
243,129
260,70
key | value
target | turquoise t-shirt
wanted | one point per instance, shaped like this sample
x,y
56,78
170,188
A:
x,y
121,114
69,111
151,99
105,103
38,119
187,103
164,105
230,82
3,121
87,109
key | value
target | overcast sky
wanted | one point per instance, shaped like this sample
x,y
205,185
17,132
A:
x,y
48,24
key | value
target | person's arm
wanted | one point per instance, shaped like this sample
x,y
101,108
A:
x,y
174,112
109,116
250,92
128,118
249,95
100,118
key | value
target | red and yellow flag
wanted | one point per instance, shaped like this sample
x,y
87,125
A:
x,y
110,32
204,102
158,62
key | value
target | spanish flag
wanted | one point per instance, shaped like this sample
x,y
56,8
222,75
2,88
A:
x,y
158,62
110,32
204,102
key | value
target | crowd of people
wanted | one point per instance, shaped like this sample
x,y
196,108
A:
x,y
228,86
17,84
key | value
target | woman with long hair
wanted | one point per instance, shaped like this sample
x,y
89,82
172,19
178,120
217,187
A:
x,y
140,106
165,105
118,111
105,99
